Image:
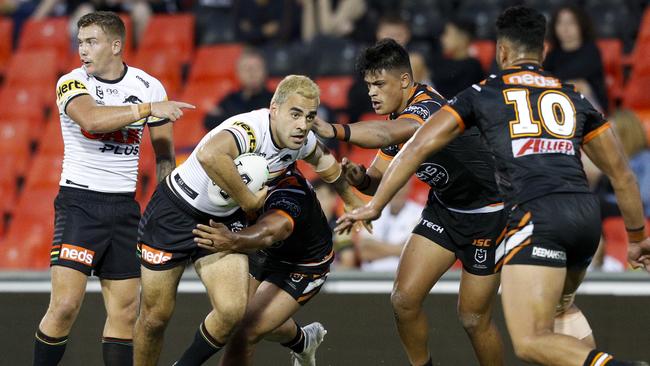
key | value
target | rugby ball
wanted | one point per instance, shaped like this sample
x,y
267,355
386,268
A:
x,y
254,171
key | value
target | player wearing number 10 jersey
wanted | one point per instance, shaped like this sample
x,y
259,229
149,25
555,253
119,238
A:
x,y
534,126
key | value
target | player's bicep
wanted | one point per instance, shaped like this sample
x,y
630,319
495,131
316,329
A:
x,y
79,108
223,142
606,152
279,224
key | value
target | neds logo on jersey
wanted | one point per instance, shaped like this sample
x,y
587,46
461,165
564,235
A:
x,y
532,146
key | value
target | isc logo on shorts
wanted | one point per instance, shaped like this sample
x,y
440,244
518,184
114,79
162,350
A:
x,y
77,254
154,256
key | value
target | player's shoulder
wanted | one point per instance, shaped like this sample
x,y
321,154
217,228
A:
x,y
256,119
78,74
139,76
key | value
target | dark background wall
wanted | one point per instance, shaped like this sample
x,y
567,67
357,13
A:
x,y
361,329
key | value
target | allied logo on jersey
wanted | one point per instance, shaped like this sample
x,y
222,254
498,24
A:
x,y
70,87
252,141
77,254
433,174
533,146
132,99
531,79
154,256
146,83
557,255
480,255
99,92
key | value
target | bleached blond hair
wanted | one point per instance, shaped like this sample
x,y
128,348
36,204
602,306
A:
x,y
298,84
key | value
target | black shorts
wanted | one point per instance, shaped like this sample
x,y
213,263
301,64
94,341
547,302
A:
x,y
301,284
473,237
165,238
96,233
558,230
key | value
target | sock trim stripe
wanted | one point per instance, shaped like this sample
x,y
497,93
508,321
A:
x,y
604,360
598,359
122,341
50,343
208,338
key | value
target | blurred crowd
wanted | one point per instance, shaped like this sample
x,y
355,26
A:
x,y
323,37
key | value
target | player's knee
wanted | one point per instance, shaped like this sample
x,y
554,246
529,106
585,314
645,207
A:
x,y
473,322
154,319
525,348
65,310
231,313
404,302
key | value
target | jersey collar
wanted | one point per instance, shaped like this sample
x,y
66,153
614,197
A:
x,y
126,69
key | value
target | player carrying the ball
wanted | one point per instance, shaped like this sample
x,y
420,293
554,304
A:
x,y
282,135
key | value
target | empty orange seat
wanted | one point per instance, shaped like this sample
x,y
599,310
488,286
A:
x,y
6,42
14,142
205,95
188,132
44,172
33,69
484,51
636,94
163,65
47,34
172,32
23,102
334,91
216,62
611,51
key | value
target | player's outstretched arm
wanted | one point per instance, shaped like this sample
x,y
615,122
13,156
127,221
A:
x,y
273,226
96,118
439,130
163,146
216,157
368,134
606,152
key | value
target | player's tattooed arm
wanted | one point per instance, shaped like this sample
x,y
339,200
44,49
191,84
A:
x,y
216,157
163,146
368,134
270,228
439,130
606,152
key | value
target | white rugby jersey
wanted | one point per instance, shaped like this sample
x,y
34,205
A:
x,y
252,132
105,162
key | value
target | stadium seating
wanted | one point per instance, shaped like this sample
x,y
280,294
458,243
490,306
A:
x,y
15,142
6,43
215,62
334,91
170,32
484,51
611,51
164,65
37,69
636,94
48,34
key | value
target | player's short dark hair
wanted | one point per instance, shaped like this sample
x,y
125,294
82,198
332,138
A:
x,y
384,55
524,26
108,21
582,18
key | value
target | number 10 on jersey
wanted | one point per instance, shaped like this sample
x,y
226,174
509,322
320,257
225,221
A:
x,y
556,114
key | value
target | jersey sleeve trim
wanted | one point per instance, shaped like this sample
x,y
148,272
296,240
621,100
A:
x,y
412,116
285,214
591,135
459,119
65,106
158,122
232,133
385,156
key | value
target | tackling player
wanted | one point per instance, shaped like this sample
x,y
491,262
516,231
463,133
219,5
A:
x,y
463,217
294,241
282,135
104,106
535,126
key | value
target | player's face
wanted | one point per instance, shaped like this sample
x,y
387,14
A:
x,y
96,50
292,120
385,89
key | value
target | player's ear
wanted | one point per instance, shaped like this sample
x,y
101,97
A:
x,y
116,46
501,54
273,109
405,80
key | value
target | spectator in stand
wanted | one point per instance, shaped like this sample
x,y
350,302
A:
x,y
456,70
574,56
252,75
330,17
345,252
380,251
389,27
261,21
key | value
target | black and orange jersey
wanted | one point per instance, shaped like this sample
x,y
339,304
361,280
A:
x,y
461,176
310,244
534,126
